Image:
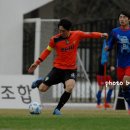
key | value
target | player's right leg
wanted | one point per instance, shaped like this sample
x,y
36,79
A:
x,y
43,84
124,75
126,91
37,82
126,95
98,96
40,85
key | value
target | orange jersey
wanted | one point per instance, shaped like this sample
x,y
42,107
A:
x,y
66,48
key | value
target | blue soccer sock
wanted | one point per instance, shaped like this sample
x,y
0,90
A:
x,y
99,96
109,93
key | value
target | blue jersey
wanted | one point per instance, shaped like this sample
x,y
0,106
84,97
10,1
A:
x,y
121,38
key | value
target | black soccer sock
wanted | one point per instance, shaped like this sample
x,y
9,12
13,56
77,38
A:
x,y
64,98
126,94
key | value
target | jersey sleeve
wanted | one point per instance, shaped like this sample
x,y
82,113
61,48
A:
x,y
111,40
89,34
46,52
51,43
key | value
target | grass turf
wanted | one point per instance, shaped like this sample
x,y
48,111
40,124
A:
x,y
70,120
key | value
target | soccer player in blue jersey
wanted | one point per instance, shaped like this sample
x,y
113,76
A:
x,y
101,79
121,37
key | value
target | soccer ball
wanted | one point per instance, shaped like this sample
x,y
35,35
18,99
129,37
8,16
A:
x,y
35,108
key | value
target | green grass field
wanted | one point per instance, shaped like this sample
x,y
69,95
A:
x,y
70,120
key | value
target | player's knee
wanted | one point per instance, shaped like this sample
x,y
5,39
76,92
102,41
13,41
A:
x,y
69,88
111,87
100,88
43,88
126,82
69,85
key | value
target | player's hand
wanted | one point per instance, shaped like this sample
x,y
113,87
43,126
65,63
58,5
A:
x,y
32,68
112,68
105,35
106,48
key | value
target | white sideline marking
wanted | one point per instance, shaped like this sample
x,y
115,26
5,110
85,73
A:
x,y
72,105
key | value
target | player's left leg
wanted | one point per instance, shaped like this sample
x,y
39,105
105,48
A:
x,y
126,87
101,84
98,96
126,90
69,85
109,93
69,81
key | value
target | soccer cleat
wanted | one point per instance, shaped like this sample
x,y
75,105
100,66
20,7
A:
x,y
99,106
56,112
107,105
37,82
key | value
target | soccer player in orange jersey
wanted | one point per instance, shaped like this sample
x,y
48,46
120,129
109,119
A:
x,y
64,66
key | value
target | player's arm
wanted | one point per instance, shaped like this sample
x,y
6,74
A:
x,y
42,57
93,34
110,42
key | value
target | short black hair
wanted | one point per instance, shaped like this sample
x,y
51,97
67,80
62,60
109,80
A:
x,y
67,24
124,12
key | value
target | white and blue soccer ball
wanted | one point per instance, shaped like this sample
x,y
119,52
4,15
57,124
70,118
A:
x,y
35,108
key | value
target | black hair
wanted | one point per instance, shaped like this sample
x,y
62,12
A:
x,y
124,12
67,24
